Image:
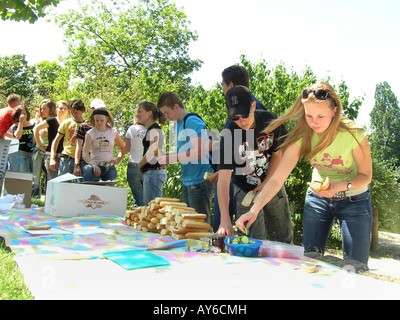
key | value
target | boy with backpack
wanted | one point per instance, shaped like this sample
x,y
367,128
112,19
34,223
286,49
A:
x,y
192,153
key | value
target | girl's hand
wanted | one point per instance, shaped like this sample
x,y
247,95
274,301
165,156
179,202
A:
x,y
77,171
334,187
53,164
96,170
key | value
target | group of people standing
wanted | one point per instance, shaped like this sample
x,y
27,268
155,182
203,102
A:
x,y
255,154
55,140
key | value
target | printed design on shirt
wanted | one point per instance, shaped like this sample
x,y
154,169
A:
x,y
72,135
139,134
333,163
29,137
256,160
102,144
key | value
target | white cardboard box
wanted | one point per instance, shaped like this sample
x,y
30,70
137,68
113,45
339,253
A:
x,y
66,199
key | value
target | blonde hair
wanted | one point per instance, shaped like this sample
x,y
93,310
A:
x,y
60,102
303,131
51,105
157,114
102,111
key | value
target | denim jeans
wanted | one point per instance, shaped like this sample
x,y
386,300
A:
x,y
153,181
66,165
21,161
275,217
198,196
107,173
217,213
37,165
135,181
355,217
50,173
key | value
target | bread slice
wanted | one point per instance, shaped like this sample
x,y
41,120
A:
x,y
318,185
248,199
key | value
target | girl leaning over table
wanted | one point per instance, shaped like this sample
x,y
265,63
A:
x,y
99,146
154,174
337,149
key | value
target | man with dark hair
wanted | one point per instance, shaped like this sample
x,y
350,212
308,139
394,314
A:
x,y
238,76
235,75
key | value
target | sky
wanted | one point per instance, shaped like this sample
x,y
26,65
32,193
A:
x,y
351,40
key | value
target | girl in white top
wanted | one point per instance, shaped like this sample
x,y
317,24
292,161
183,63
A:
x,y
134,146
99,146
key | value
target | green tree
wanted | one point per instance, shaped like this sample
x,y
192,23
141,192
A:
x,y
51,81
126,53
385,197
151,37
16,76
385,125
25,10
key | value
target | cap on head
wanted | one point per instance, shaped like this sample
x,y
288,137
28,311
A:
x,y
238,101
97,103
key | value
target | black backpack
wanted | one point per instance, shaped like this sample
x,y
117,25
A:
x,y
211,136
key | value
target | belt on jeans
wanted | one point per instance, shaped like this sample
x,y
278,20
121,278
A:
x,y
65,156
147,169
341,195
58,155
104,164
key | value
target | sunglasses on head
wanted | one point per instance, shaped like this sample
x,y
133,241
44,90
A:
x,y
320,94
236,118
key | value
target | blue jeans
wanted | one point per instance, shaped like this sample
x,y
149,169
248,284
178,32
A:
x,y
107,173
20,161
153,181
355,217
37,165
135,181
217,213
66,165
198,196
50,173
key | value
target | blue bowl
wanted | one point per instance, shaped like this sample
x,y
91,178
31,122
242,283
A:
x,y
243,250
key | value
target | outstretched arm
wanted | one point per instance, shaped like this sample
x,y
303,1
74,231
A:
x,y
272,187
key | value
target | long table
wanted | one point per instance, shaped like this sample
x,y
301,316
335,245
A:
x,y
71,263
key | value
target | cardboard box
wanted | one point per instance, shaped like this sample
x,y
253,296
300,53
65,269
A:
x,y
19,182
67,199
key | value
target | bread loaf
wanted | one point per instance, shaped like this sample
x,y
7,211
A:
x,y
196,224
208,176
198,235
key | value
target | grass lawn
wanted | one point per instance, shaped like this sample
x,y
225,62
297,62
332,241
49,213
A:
x,y
12,286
